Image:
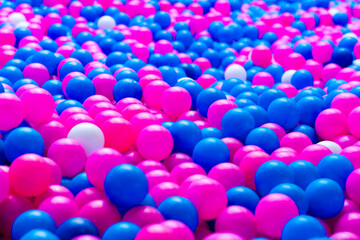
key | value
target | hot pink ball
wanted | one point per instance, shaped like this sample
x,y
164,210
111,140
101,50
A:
x,y
261,56
349,222
208,196
241,152
133,157
147,79
89,194
53,190
86,237
104,116
163,47
59,208
11,111
5,183
76,119
104,84
100,212
185,170
228,174
353,120
56,174
132,110
331,123
238,220
158,176
345,236
203,63
37,72
263,78
51,131
295,140
151,165
7,37
71,111
273,212
223,236
148,69
330,71
69,154
353,154
346,141
294,61
281,52
175,159
142,120
314,153
99,163
352,186
285,155
155,142
206,80
345,102
322,51
143,215
280,132
163,191
175,101
125,102
217,111
29,183
158,232
24,88
180,229
233,145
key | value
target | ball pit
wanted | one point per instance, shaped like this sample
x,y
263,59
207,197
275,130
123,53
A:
x,y
179,119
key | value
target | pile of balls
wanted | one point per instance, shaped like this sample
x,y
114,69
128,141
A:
x,y
179,119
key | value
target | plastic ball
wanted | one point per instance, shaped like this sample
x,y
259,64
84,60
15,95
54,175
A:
x,y
124,230
348,222
89,136
261,56
304,173
330,124
301,79
185,135
326,198
285,112
127,88
39,234
223,236
235,71
4,177
156,231
278,205
345,102
75,227
80,88
264,138
310,107
10,119
332,146
175,101
304,226
244,197
351,120
352,189
106,22
132,182
206,98
228,174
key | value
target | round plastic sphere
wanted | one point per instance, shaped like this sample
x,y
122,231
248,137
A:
x,y
261,56
29,220
80,88
310,107
304,173
238,220
180,209
89,136
275,204
264,138
335,167
352,189
352,119
349,222
106,22
10,119
223,236
342,57
344,235
284,112
244,197
156,231
186,135
126,185
209,152
76,226
175,101
206,98
330,124
36,71
345,102
268,96
332,146
296,141
4,178
326,198
235,71
123,230
40,234
270,174
301,79
304,226
208,196
31,142
127,88
217,110
228,174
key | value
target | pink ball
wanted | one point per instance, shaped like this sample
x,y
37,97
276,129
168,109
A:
x,y
69,155
163,191
76,119
11,111
203,63
185,170
24,88
349,222
241,152
7,37
147,79
296,140
142,120
51,131
59,208
285,155
175,101
261,56
119,134
352,121
150,165
238,220
273,212
294,61
148,69
217,111
5,183
39,105
158,176
280,132
208,196
345,102
125,102
352,186
330,71
345,236
143,216
314,153
228,174
263,78
104,84
132,110
52,191
314,68
86,237
175,159
56,174
99,163
89,194
353,154
322,51
346,141
155,142
94,99
67,78
141,51
331,123
29,175
158,232
36,72
206,80
104,116
281,52
223,236
180,229
100,212
233,145
71,111
163,47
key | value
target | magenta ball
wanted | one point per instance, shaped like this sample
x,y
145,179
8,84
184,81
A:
x,y
104,84
223,236
155,177
4,179
295,140
56,174
217,111
273,212
353,120
345,236
158,232
143,215
52,191
241,152
10,119
163,191
346,141
228,174
175,159
180,229
349,222
185,170
352,186
353,154
322,51
89,194
263,78
175,101
331,123
285,155
345,102
233,145
37,72
51,131
314,153
261,56
155,142
142,120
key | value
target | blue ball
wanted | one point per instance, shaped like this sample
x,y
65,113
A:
x,y
106,45
329,98
185,37
267,97
238,88
20,64
54,87
250,31
40,234
270,37
83,56
307,130
303,227
243,102
71,66
209,152
20,33
23,82
285,112
126,185
254,97
68,20
24,52
135,64
310,107
347,42
186,135
162,18
180,209
13,74
30,220
57,30
305,49
211,132
46,58
237,123
259,89
170,76
271,174
335,167
80,88
126,74
127,88
244,197
296,193
264,138
302,78
62,106
326,198
116,58
276,71
340,19
121,230
76,226
79,183
30,139
258,113
342,57
206,97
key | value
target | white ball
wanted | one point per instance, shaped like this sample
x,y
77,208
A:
x,y
22,24
286,77
334,147
350,34
333,11
89,135
106,22
16,18
356,62
235,71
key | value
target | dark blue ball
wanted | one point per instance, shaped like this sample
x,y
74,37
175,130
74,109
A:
x,y
243,102
57,30
46,58
80,88
22,82
53,87
83,56
259,114
24,52
340,19
186,135
185,37
310,107
307,130
267,97
237,89
71,66
285,112
304,173
206,97
39,234
264,138
244,197
13,74
301,79
76,226
20,33
121,230
237,123
342,57
305,226
79,183
162,18
20,64
305,49
135,64
127,88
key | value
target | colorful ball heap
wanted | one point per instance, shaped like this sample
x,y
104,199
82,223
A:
x,y
179,119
